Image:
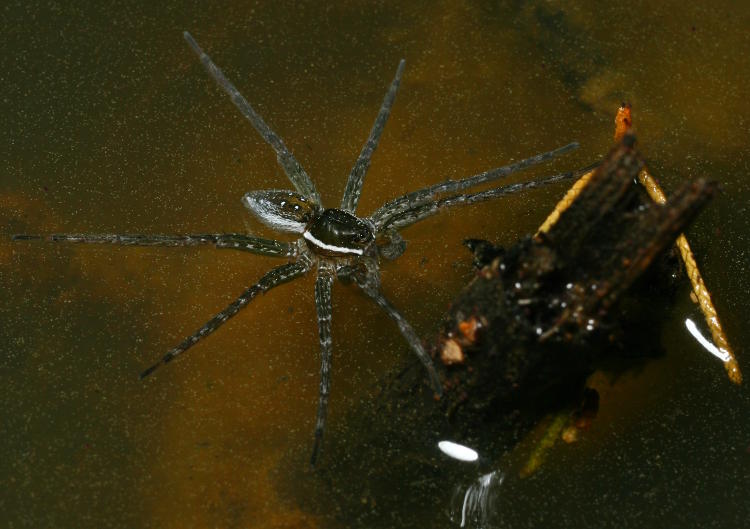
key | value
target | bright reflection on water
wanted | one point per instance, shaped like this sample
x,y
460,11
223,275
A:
x,y
458,451
111,125
719,353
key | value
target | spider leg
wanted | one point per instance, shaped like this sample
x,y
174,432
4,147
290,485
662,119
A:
x,y
323,307
357,175
231,241
247,243
286,159
421,212
280,274
414,199
408,333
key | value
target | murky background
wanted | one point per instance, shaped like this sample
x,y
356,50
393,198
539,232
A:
x,y
110,124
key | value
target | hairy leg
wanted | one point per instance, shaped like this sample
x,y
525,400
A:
x,y
415,199
287,161
275,277
324,309
421,212
357,176
232,241
408,333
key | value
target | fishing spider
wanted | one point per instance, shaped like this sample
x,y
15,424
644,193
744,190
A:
x,y
334,241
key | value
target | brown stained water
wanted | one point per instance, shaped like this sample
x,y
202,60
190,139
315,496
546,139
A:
x,y
111,125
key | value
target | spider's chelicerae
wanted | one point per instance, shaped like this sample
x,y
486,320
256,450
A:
x,y
333,242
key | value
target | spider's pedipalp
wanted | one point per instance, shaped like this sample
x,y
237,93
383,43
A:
x,y
281,210
418,198
394,248
230,241
286,159
275,277
323,307
357,175
421,212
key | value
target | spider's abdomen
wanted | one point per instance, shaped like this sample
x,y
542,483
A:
x,y
336,232
281,210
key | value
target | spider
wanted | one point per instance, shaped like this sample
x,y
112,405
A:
x,y
333,242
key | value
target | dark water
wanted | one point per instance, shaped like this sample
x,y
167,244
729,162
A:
x,y
111,125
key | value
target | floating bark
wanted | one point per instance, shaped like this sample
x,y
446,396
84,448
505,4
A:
x,y
544,300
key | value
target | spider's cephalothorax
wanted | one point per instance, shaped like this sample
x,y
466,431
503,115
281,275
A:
x,y
334,242
338,233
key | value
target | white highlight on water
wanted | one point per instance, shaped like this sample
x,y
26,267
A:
x,y
721,354
457,451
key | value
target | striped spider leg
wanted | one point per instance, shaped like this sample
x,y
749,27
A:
x,y
424,209
383,215
334,241
274,277
231,241
293,169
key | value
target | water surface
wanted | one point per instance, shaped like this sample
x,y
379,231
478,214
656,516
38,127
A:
x,y
111,125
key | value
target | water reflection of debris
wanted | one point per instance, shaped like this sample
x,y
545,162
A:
x,y
476,505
